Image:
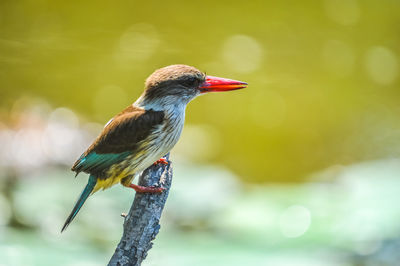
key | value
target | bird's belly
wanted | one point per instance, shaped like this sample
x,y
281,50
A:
x,y
116,173
145,157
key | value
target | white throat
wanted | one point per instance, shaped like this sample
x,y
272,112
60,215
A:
x,y
174,110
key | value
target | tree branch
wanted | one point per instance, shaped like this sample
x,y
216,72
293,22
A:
x,y
141,225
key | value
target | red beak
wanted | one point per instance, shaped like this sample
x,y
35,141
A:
x,y
221,84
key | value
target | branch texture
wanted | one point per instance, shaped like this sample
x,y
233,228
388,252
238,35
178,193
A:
x,y
141,225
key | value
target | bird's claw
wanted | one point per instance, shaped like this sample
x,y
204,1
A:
x,y
142,189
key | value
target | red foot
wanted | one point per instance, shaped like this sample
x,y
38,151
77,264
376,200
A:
x,y
161,161
142,189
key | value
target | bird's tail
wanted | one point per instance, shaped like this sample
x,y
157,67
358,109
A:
x,y
82,198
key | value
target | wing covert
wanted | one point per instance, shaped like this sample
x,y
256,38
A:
x,y
120,138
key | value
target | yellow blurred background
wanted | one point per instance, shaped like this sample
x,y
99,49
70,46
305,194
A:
x,y
307,156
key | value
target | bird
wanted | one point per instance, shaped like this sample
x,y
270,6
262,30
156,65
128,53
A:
x,y
145,131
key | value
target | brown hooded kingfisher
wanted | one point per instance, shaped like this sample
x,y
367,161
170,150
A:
x,y
145,131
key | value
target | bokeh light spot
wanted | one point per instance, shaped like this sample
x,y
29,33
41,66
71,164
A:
x,y
295,221
137,44
62,138
242,53
381,64
344,12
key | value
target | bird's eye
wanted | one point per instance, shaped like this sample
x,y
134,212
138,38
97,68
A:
x,y
190,81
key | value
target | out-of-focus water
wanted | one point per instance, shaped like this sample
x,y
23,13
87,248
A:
x,y
339,216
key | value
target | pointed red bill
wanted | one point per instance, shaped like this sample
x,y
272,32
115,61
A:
x,y
221,84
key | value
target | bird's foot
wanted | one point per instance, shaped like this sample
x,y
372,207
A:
x,y
142,189
161,161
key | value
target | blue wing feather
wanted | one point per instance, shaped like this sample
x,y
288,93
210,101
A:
x,y
97,162
120,138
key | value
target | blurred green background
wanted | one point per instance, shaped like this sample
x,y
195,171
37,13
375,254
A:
x,y
307,156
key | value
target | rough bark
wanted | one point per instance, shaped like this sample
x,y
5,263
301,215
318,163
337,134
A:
x,y
141,225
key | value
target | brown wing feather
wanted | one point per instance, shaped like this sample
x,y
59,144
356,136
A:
x,y
123,133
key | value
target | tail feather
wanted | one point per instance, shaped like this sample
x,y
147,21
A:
x,y
81,200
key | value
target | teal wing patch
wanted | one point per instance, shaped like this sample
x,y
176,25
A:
x,y
120,138
96,163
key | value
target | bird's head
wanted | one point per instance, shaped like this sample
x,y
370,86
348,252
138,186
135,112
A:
x,y
182,83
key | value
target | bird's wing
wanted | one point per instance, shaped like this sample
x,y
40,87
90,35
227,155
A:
x,y
120,138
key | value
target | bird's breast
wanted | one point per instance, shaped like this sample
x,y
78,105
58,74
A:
x,y
161,140
167,134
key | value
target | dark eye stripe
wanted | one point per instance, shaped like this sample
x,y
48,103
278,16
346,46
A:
x,y
190,81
